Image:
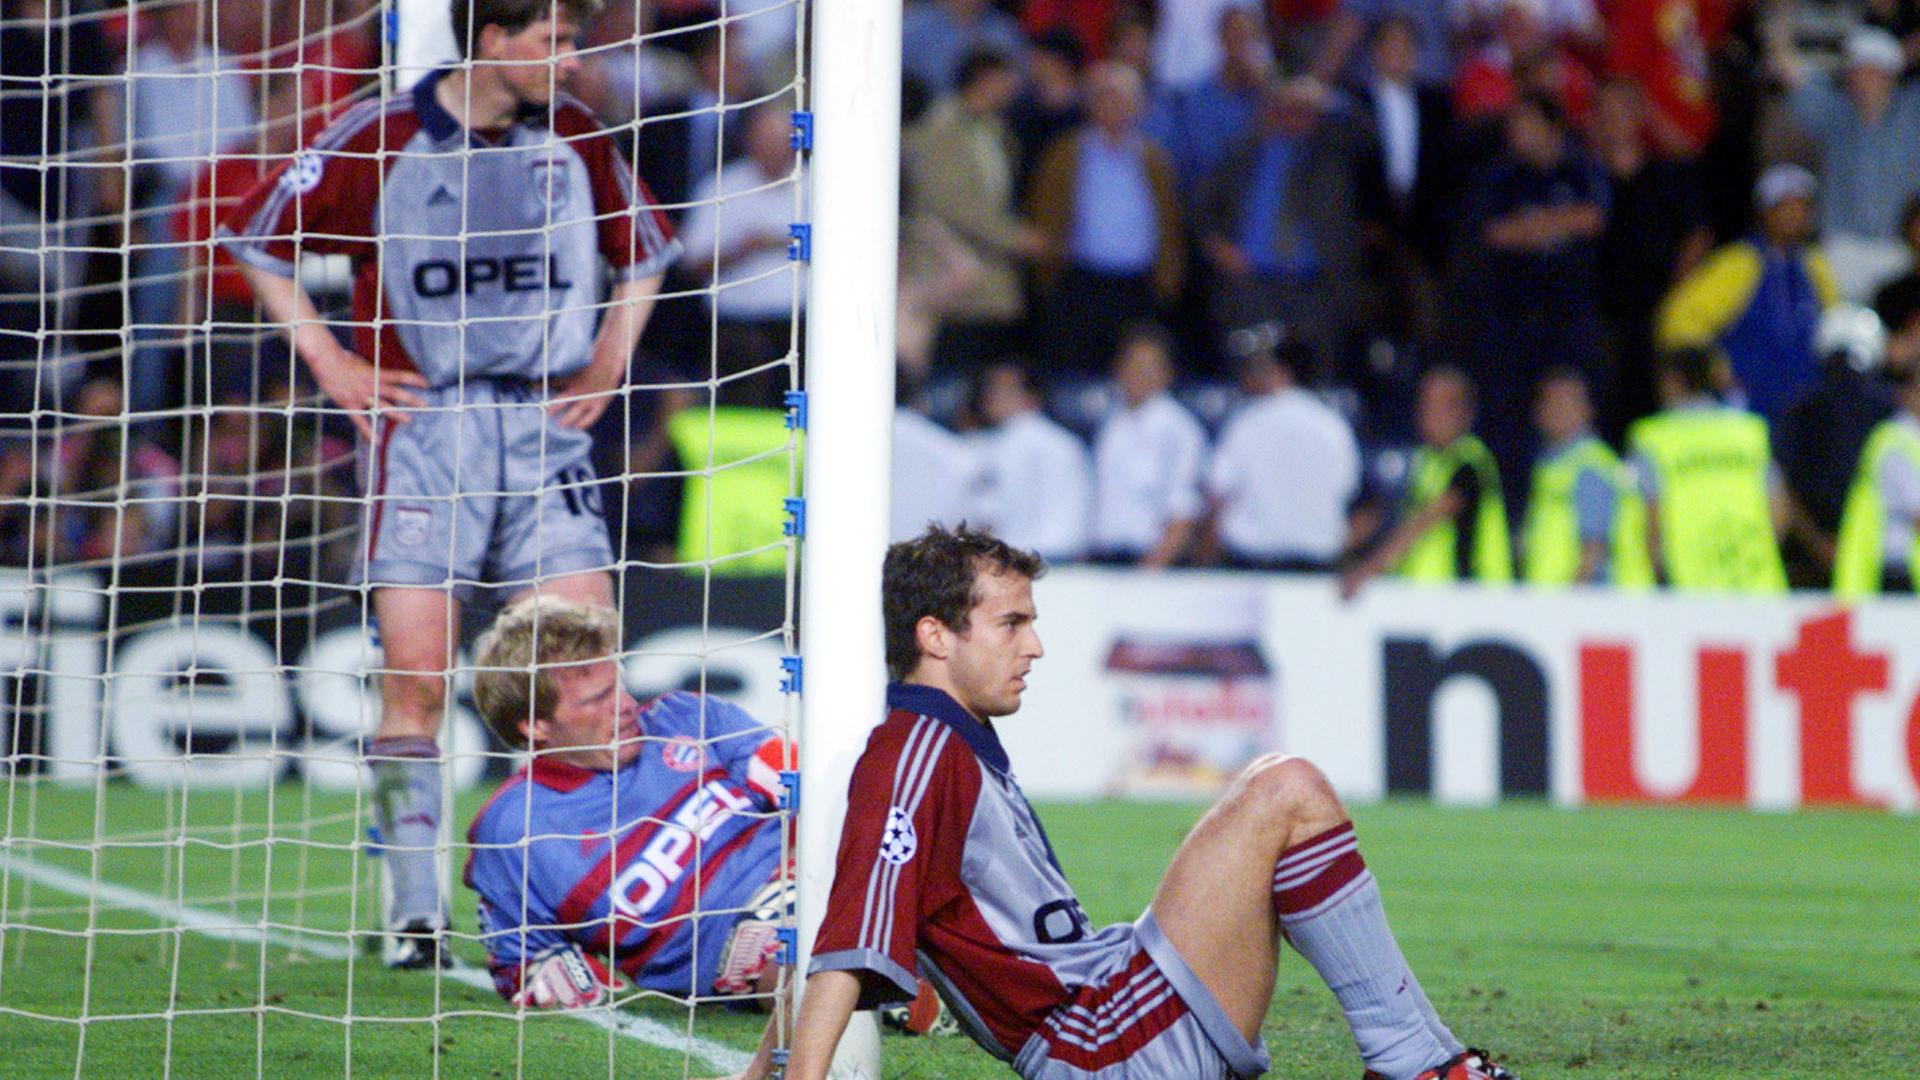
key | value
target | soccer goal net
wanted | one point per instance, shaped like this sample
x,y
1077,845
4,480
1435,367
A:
x,y
221,533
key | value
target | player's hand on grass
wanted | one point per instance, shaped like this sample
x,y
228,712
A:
x,y
357,387
585,396
563,977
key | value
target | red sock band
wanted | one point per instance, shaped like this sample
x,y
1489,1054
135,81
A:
x,y
1309,872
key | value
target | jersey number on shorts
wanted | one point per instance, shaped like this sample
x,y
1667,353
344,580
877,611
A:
x,y
580,489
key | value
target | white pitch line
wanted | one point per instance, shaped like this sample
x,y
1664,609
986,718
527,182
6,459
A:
x,y
206,923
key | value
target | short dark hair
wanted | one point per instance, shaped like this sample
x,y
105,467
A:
x,y
977,64
472,16
937,573
1458,376
1063,43
1696,366
1144,332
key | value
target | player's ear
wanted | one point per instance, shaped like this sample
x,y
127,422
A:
x,y
934,636
534,731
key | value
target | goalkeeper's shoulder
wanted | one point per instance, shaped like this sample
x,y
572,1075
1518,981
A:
x,y
503,818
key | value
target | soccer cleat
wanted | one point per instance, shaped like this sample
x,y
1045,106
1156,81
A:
x,y
416,947
925,1015
1472,1065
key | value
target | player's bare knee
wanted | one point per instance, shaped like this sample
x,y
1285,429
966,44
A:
x,y
412,704
1291,789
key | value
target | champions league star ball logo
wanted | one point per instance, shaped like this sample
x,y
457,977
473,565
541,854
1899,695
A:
x,y
898,842
304,174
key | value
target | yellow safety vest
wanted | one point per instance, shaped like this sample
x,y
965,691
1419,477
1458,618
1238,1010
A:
x,y
739,478
1716,529
1551,535
1861,551
1433,556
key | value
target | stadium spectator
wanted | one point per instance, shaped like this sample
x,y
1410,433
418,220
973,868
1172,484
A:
x,y
1569,22
567,915
1897,301
1452,524
1036,481
1411,180
1818,438
185,100
1867,129
1089,22
686,140
1285,473
94,466
938,35
959,161
1186,41
627,70
736,238
732,505
1901,18
1879,548
1106,203
1428,20
1656,232
1528,291
1585,523
1183,991
1147,459
1279,221
55,114
1525,58
1051,104
1759,299
1714,500
938,477
1657,46
20,517
1199,125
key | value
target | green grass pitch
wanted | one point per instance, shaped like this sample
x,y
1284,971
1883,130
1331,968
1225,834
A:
x,y
1601,942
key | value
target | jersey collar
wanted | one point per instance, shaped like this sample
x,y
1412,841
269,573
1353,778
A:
x,y
442,125
559,775
929,701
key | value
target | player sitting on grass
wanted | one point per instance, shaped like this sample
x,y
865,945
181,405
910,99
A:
x,y
943,867
640,844
485,213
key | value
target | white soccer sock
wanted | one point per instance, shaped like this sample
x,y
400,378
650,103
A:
x,y
1330,908
406,803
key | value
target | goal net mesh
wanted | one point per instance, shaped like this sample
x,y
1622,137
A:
x,y
190,880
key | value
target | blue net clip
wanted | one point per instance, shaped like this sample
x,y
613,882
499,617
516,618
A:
x,y
796,401
790,790
375,846
799,241
801,137
796,523
789,944
779,1060
793,667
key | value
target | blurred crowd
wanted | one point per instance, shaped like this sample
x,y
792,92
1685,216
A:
x,y
1328,285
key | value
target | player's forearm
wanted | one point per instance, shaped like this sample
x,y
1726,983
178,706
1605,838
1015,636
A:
x,y
628,310
824,1009
287,304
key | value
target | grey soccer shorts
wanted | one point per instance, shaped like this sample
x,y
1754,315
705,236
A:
x,y
1150,1019
481,487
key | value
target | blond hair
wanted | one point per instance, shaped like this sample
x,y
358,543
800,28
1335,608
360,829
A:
x,y
514,681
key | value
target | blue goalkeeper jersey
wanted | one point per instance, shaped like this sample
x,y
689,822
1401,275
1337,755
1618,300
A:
x,y
563,854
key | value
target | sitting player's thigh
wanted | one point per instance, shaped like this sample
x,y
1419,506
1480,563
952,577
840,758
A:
x,y
552,521
1215,903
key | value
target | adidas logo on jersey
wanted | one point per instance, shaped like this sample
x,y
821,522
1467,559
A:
x,y
442,195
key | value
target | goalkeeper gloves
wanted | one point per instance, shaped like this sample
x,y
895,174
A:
x,y
563,977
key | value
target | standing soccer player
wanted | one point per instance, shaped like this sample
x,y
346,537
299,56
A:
x,y
481,211
944,867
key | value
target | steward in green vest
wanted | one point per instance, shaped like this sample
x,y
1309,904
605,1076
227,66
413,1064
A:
x,y
738,479
1585,522
1879,546
1706,472
1453,521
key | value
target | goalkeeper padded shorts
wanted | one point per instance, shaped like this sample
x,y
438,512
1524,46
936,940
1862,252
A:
x,y
482,486
1149,1019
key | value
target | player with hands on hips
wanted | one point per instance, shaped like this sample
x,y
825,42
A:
x,y
505,261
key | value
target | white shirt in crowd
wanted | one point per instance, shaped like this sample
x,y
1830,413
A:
x,y
1186,43
1285,471
184,110
1146,473
937,476
1037,485
1399,123
740,203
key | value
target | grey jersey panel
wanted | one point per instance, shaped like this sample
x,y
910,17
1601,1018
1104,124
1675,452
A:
x,y
491,255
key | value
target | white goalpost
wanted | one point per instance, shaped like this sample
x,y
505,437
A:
x,y
191,882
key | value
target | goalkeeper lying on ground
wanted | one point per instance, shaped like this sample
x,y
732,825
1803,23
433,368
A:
x,y
586,861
